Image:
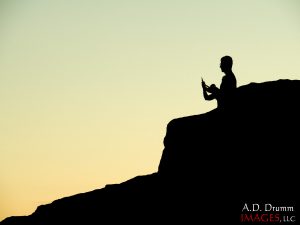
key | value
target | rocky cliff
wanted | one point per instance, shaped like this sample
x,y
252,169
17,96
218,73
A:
x,y
212,164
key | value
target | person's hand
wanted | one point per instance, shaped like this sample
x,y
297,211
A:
x,y
212,88
204,86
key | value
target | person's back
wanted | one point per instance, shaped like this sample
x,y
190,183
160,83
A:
x,y
227,89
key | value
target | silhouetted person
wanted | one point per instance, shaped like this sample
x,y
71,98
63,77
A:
x,y
227,86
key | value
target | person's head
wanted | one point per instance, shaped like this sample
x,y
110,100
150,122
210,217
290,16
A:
x,y
226,64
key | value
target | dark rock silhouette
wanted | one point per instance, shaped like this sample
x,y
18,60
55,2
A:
x,y
211,165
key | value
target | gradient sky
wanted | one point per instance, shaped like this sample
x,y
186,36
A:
x,y
88,87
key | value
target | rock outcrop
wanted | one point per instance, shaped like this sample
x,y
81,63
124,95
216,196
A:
x,y
212,164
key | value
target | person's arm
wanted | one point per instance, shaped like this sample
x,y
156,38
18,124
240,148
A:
x,y
212,89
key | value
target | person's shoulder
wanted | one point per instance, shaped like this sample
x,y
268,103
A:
x,y
231,76
225,78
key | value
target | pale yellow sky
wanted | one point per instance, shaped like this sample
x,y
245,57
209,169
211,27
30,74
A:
x,y
88,87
